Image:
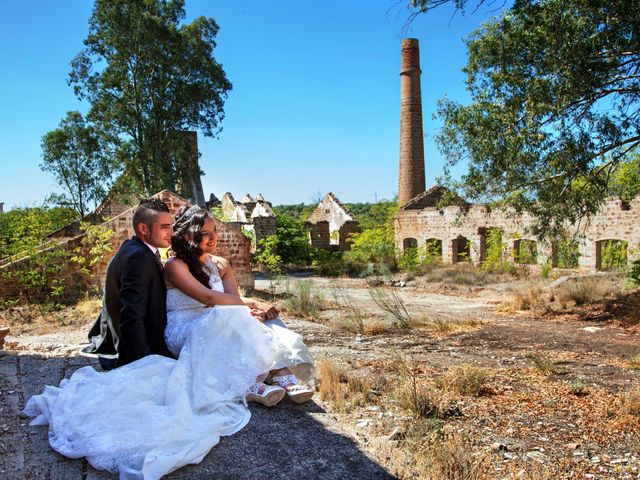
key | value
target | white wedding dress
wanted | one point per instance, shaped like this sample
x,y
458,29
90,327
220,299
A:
x,y
152,416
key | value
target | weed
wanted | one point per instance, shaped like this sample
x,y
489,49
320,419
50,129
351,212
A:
x,y
528,297
304,301
341,390
630,402
451,458
353,316
466,379
389,300
634,363
578,388
542,362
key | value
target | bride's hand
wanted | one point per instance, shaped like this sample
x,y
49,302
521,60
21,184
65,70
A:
x,y
258,314
271,312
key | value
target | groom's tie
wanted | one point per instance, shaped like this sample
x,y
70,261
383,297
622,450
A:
x,y
158,258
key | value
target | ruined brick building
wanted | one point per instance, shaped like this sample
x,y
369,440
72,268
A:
x,y
251,214
460,232
330,224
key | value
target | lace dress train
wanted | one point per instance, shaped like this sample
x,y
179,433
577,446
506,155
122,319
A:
x,y
150,417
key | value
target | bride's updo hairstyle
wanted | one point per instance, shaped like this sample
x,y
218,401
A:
x,y
187,235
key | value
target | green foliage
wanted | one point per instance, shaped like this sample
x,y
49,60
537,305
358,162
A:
x,y
304,301
299,211
74,154
634,272
613,255
526,252
545,270
554,108
149,76
25,228
625,182
266,255
494,260
410,260
217,212
567,250
293,240
92,251
373,215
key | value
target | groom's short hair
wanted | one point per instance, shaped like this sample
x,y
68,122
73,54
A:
x,y
146,212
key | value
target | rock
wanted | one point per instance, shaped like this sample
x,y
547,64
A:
x,y
572,445
499,447
591,329
398,433
537,456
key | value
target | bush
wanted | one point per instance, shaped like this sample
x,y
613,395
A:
x,y
634,272
584,290
304,301
266,255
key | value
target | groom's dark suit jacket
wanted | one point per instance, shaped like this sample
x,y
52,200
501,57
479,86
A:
x,y
134,313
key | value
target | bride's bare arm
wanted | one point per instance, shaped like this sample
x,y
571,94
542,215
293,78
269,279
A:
x,y
226,275
177,274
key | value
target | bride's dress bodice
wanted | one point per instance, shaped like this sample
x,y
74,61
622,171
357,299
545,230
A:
x,y
182,309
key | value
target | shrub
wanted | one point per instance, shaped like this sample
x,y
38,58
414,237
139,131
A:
x,y
305,301
542,362
630,402
584,290
528,297
266,255
390,301
466,379
578,388
634,272
341,390
354,316
613,254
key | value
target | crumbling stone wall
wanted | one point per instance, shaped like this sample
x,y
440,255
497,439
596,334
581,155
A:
x,y
452,224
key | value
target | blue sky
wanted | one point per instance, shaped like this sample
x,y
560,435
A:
x,y
315,103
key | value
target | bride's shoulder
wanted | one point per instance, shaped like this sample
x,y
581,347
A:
x,y
221,262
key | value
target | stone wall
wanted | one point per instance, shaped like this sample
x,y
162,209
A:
x,y
319,235
452,224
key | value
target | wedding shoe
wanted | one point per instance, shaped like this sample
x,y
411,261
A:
x,y
270,396
297,393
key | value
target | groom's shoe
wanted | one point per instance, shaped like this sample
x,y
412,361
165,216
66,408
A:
x,y
267,395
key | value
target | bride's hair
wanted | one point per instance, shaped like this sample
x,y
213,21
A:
x,y
187,228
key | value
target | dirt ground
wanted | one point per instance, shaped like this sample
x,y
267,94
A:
x,y
554,402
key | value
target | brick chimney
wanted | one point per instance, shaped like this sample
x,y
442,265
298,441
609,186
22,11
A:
x,y
1,207
411,176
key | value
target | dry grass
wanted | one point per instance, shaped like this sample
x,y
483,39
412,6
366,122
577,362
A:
x,y
630,402
353,316
304,301
424,400
466,380
340,389
462,274
585,290
439,325
634,363
43,319
451,459
389,300
542,362
527,297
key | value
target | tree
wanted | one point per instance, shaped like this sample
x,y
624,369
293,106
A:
x,y
73,153
149,77
555,87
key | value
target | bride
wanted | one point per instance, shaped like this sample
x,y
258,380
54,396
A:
x,y
150,417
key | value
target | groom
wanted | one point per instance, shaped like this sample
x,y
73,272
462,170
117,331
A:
x,y
134,313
